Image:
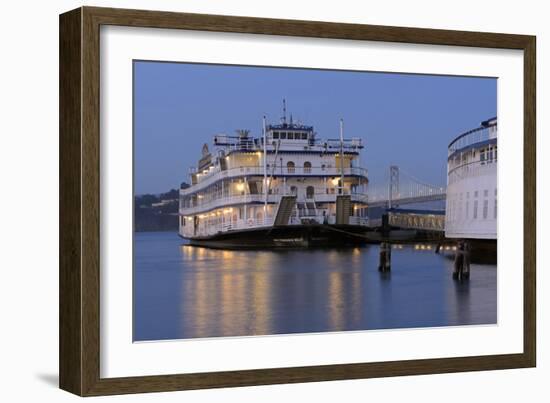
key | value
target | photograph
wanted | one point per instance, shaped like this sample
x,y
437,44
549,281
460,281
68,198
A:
x,y
243,202
278,200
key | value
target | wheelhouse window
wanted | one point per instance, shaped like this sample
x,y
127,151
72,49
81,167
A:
x,y
290,136
304,136
275,135
282,135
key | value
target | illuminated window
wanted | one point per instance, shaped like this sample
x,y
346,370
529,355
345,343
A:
x,y
290,167
307,167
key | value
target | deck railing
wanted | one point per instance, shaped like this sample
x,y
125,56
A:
x,y
228,201
206,179
477,135
430,222
215,225
471,170
210,228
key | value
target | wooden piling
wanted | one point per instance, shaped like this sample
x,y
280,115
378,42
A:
x,y
461,267
457,264
385,257
466,260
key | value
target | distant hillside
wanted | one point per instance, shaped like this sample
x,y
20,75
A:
x,y
157,212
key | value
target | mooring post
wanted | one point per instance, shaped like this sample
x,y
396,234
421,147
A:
x,y
458,271
385,257
438,248
466,260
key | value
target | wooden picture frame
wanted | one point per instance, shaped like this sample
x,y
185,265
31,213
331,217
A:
x,y
80,198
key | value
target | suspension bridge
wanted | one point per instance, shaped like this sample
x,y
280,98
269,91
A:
x,y
404,188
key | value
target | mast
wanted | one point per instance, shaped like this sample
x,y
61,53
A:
x,y
342,156
265,167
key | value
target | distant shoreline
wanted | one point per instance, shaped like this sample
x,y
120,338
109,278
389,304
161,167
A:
x,y
157,212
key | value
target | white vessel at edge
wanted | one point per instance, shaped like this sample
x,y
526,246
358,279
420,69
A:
x,y
472,201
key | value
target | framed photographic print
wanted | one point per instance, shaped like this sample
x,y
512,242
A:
x,y
249,201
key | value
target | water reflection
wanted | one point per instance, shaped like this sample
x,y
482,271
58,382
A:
x,y
461,301
188,292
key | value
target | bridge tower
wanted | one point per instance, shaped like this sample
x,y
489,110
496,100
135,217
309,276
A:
x,y
393,190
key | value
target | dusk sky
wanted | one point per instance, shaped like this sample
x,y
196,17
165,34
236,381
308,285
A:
x,y
406,120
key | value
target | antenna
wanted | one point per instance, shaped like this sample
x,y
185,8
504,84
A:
x,y
284,111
